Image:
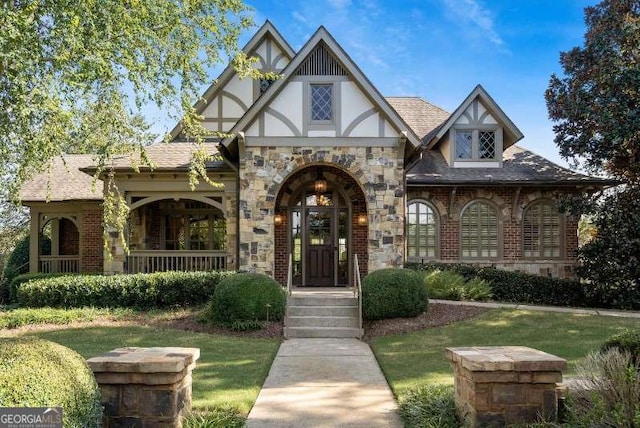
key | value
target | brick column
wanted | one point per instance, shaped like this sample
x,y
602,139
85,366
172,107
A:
x,y
502,385
145,387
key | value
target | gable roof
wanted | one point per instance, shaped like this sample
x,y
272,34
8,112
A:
x,y
323,36
519,167
419,114
63,182
510,129
266,30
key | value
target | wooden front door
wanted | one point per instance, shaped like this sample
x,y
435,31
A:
x,y
321,247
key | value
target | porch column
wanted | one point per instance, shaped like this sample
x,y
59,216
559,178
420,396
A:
x,y
34,241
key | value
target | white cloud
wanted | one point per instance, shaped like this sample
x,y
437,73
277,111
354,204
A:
x,y
471,13
299,17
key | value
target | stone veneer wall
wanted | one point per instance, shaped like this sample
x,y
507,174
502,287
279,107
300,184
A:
x,y
353,192
377,170
511,226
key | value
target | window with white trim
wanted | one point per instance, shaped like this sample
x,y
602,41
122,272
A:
x,y
321,102
421,230
479,231
541,231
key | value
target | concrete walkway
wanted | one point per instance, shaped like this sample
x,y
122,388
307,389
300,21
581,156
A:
x,y
325,383
582,311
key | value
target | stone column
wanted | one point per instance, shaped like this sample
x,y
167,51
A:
x,y
145,387
500,385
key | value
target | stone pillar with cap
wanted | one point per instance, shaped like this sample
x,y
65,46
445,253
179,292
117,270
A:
x,y
145,387
502,385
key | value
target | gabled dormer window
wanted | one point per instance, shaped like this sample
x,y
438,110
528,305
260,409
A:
x,y
473,144
321,102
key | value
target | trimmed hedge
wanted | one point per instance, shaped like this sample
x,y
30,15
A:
x,y
39,373
142,291
240,301
519,287
393,293
26,277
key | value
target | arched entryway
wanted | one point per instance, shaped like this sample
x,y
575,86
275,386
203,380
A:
x,y
320,223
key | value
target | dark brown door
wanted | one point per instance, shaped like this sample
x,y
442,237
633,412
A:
x,y
320,248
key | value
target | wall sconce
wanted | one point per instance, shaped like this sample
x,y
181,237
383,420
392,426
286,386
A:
x,y
361,219
278,219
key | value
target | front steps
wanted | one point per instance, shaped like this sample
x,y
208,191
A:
x,y
322,315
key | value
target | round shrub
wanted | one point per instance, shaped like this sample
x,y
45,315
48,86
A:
x,y
244,297
393,293
625,341
39,373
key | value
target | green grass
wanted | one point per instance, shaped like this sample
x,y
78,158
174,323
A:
x,y
230,370
414,359
19,317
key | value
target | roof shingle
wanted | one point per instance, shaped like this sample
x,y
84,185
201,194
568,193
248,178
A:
x,y
419,114
171,156
519,166
64,182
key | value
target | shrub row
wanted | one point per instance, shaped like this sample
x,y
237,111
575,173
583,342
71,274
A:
x,y
141,291
519,287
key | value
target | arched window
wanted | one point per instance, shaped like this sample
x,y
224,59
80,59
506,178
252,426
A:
x,y
541,231
421,231
479,231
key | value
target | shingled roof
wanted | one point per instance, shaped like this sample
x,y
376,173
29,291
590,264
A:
x,y
170,157
519,166
64,182
420,115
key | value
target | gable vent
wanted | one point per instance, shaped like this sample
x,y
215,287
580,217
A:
x,y
321,63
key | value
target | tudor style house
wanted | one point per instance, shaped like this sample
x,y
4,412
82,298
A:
x,y
319,168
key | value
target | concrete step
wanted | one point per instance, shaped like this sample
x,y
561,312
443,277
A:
x,y
322,332
310,321
321,301
328,311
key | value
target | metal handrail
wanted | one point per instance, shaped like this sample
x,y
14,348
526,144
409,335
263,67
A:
x,y
290,275
358,288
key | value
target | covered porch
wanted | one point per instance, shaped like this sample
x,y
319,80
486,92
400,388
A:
x,y
177,235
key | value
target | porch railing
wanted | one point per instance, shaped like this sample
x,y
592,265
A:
x,y
290,275
358,287
59,264
162,261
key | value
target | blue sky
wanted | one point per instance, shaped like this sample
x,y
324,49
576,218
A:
x,y
441,49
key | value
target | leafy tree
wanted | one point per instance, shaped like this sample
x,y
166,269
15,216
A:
x,y
596,104
596,107
75,76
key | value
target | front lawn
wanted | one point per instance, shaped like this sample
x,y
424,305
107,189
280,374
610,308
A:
x,y
417,358
230,370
